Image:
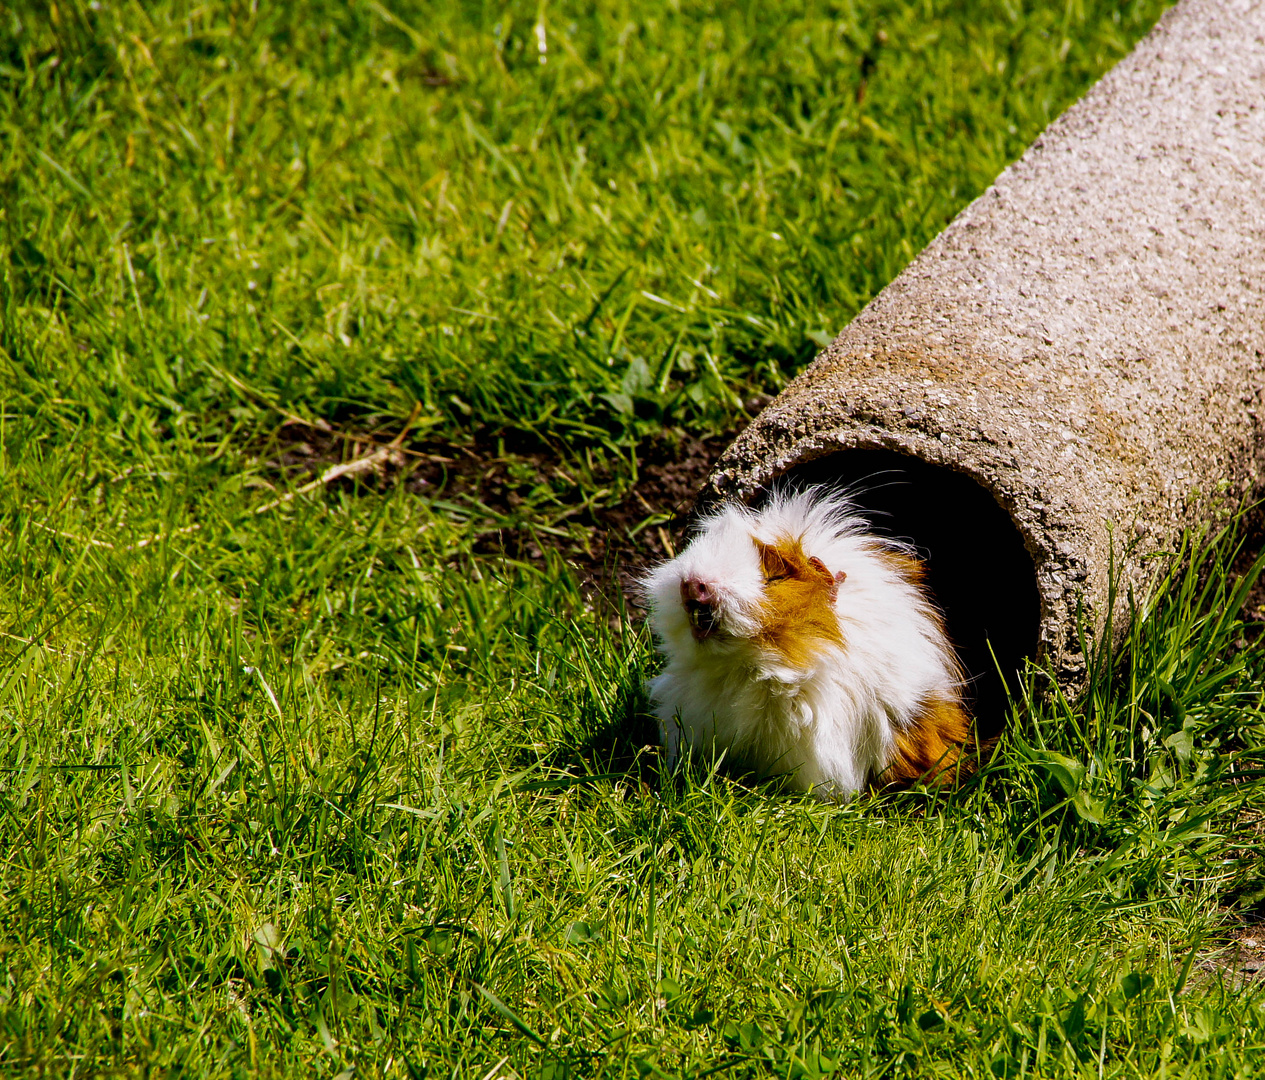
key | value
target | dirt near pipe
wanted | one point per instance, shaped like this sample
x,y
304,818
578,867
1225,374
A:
x,y
493,474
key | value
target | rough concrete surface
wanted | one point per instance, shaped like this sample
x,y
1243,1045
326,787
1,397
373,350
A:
x,y
1086,340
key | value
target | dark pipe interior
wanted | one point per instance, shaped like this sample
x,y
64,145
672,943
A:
x,y
977,566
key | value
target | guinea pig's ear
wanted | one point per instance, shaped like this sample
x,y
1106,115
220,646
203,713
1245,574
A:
x,y
833,580
772,562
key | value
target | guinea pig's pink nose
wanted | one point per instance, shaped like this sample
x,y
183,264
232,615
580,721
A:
x,y
700,603
694,591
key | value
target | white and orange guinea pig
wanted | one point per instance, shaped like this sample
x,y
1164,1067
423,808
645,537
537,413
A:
x,y
798,644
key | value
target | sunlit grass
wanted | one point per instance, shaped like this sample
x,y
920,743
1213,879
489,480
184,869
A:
x,y
314,784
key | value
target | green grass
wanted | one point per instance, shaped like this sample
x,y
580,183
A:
x,y
316,785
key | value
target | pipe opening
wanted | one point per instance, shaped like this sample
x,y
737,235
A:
x,y
978,568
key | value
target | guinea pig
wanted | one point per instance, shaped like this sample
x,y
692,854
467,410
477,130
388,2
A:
x,y
799,644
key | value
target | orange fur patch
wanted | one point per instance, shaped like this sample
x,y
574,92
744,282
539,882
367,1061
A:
x,y
798,614
931,749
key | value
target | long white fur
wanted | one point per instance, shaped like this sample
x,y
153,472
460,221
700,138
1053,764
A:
x,y
832,726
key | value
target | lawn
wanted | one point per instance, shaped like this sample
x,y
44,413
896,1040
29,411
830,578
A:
x,y
351,357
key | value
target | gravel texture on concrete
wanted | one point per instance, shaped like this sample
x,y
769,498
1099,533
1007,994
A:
x,y
1085,341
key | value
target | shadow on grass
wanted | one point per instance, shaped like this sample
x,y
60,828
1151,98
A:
x,y
618,739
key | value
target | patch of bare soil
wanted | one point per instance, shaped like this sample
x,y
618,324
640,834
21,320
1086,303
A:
x,y
500,477
1240,961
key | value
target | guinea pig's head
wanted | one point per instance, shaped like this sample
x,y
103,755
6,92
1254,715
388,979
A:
x,y
734,583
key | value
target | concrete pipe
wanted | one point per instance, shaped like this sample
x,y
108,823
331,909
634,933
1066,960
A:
x,y
1071,372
